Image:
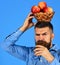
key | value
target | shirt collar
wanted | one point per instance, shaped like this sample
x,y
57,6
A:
x,y
54,47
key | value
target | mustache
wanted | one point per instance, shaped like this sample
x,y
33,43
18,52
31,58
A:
x,y
43,43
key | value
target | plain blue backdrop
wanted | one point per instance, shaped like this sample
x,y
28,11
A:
x,y
12,16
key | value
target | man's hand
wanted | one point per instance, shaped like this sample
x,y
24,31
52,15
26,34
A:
x,y
28,22
43,51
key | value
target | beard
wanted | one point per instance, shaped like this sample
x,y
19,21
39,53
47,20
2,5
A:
x,y
44,43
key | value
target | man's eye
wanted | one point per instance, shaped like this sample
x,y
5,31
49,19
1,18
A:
x,y
44,34
37,34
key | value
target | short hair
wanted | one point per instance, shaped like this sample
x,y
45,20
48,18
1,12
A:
x,y
43,24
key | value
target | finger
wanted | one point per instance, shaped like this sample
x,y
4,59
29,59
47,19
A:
x,y
30,14
38,49
40,46
31,17
38,53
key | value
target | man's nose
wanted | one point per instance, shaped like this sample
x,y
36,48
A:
x,y
41,37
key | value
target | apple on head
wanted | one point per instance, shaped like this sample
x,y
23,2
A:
x,y
35,9
42,5
48,9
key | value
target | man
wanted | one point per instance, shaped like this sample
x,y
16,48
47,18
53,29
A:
x,y
45,53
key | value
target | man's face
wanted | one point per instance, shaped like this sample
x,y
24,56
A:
x,y
44,35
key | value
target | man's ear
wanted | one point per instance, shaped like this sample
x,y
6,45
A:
x,y
52,35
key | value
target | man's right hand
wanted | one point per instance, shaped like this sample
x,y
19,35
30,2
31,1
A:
x,y
28,22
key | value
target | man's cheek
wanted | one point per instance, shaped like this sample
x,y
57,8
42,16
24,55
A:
x,y
37,39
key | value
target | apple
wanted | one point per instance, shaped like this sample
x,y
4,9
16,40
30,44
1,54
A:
x,y
42,5
35,9
48,9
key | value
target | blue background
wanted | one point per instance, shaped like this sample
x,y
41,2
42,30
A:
x,y
12,16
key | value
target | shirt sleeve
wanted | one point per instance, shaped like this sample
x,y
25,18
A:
x,y
9,45
11,39
55,62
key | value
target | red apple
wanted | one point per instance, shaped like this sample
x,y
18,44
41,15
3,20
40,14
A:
x,y
48,9
35,9
42,5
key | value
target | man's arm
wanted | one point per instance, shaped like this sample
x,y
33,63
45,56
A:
x,y
9,43
12,38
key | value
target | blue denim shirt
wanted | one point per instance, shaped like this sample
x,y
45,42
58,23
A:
x,y
27,53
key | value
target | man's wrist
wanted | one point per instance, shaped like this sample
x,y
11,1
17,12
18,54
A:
x,y
51,59
23,28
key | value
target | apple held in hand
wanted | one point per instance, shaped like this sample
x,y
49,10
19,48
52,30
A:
x,y
48,9
42,5
35,9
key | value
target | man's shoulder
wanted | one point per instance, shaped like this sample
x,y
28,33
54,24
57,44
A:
x,y
56,48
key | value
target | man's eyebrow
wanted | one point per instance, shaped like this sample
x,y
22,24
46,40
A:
x,y
44,33
37,34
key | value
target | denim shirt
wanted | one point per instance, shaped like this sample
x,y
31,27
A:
x,y
27,53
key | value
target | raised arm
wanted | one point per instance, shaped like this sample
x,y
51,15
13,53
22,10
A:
x,y
9,43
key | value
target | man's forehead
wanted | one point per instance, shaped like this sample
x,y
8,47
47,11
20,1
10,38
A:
x,y
45,29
